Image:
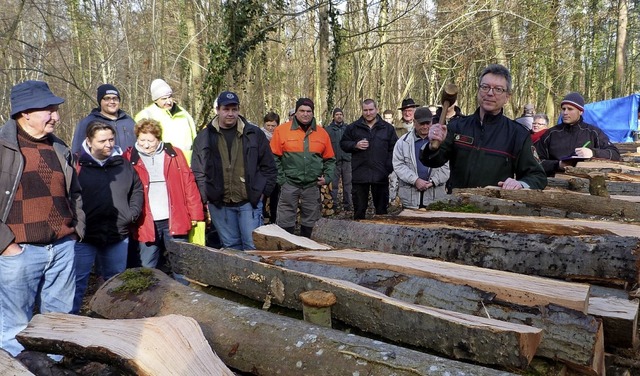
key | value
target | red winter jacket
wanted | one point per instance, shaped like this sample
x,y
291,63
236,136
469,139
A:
x,y
184,198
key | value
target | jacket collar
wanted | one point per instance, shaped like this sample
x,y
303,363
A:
x,y
241,123
295,125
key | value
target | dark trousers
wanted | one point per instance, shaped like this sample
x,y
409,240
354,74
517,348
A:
x,y
379,193
273,205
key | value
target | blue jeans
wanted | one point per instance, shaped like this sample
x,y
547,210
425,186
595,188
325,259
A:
x,y
151,252
42,274
110,260
235,224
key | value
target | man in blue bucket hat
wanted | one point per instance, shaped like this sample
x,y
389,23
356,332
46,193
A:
x,y
40,212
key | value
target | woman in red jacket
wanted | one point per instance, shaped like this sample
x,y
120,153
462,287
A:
x,y
172,200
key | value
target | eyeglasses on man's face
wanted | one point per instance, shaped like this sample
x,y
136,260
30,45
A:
x,y
497,90
425,123
540,124
111,99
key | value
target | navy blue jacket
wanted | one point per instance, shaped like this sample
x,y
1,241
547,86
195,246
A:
x,y
112,196
373,165
123,124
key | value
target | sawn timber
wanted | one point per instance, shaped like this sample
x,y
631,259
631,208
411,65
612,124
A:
x,y
157,346
455,335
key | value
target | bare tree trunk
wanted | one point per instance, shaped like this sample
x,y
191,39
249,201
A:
x,y
621,42
321,61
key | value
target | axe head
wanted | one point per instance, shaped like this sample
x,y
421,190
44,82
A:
x,y
450,94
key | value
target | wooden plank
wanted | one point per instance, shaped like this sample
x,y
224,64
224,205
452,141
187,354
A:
x,y
456,335
273,237
549,250
561,326
12,366
263,343
168,345
525,290
564,200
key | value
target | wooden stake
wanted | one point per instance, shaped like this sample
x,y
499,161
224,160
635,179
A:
x,y
316,307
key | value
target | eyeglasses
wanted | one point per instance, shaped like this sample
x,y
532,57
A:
x,y
540,124
425,123
111,99
496,90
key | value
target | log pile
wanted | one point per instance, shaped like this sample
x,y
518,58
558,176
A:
x,y
259,342
453,334
519,278
328,206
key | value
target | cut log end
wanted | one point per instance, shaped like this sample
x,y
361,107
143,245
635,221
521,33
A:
x,y
319,299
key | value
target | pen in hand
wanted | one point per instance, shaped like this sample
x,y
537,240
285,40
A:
x,y
586,144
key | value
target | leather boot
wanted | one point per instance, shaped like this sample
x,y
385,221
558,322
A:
x,y
289,229
306,231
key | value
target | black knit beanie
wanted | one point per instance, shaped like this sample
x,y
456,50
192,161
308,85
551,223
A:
x,y
574,99
304,102
107,89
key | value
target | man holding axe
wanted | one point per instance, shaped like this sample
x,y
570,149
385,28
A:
x,y
486,148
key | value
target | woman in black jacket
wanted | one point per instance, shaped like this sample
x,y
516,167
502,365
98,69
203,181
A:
x,y
112,197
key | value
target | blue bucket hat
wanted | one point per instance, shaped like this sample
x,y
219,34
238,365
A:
x,y
30,95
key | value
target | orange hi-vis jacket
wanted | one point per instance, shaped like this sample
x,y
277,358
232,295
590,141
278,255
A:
x,y
302,157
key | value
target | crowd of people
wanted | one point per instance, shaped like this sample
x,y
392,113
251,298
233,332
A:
x,y
129,185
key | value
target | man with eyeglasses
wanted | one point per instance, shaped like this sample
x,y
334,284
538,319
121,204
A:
x,y
486,148
108,112
419,184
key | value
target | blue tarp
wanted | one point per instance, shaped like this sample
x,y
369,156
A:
x,y
618,118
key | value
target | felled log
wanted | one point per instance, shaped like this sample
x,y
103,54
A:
x,y
608,175
578,184
605,166
523,290
519,246
569,335
11,366
263,343
273,237
168,345
564,200
456,335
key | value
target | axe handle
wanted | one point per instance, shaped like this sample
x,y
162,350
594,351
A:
x,y
449,96
422,205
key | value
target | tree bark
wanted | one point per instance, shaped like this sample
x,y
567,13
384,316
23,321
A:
x,y
456,335
168,345
260,342
517,246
